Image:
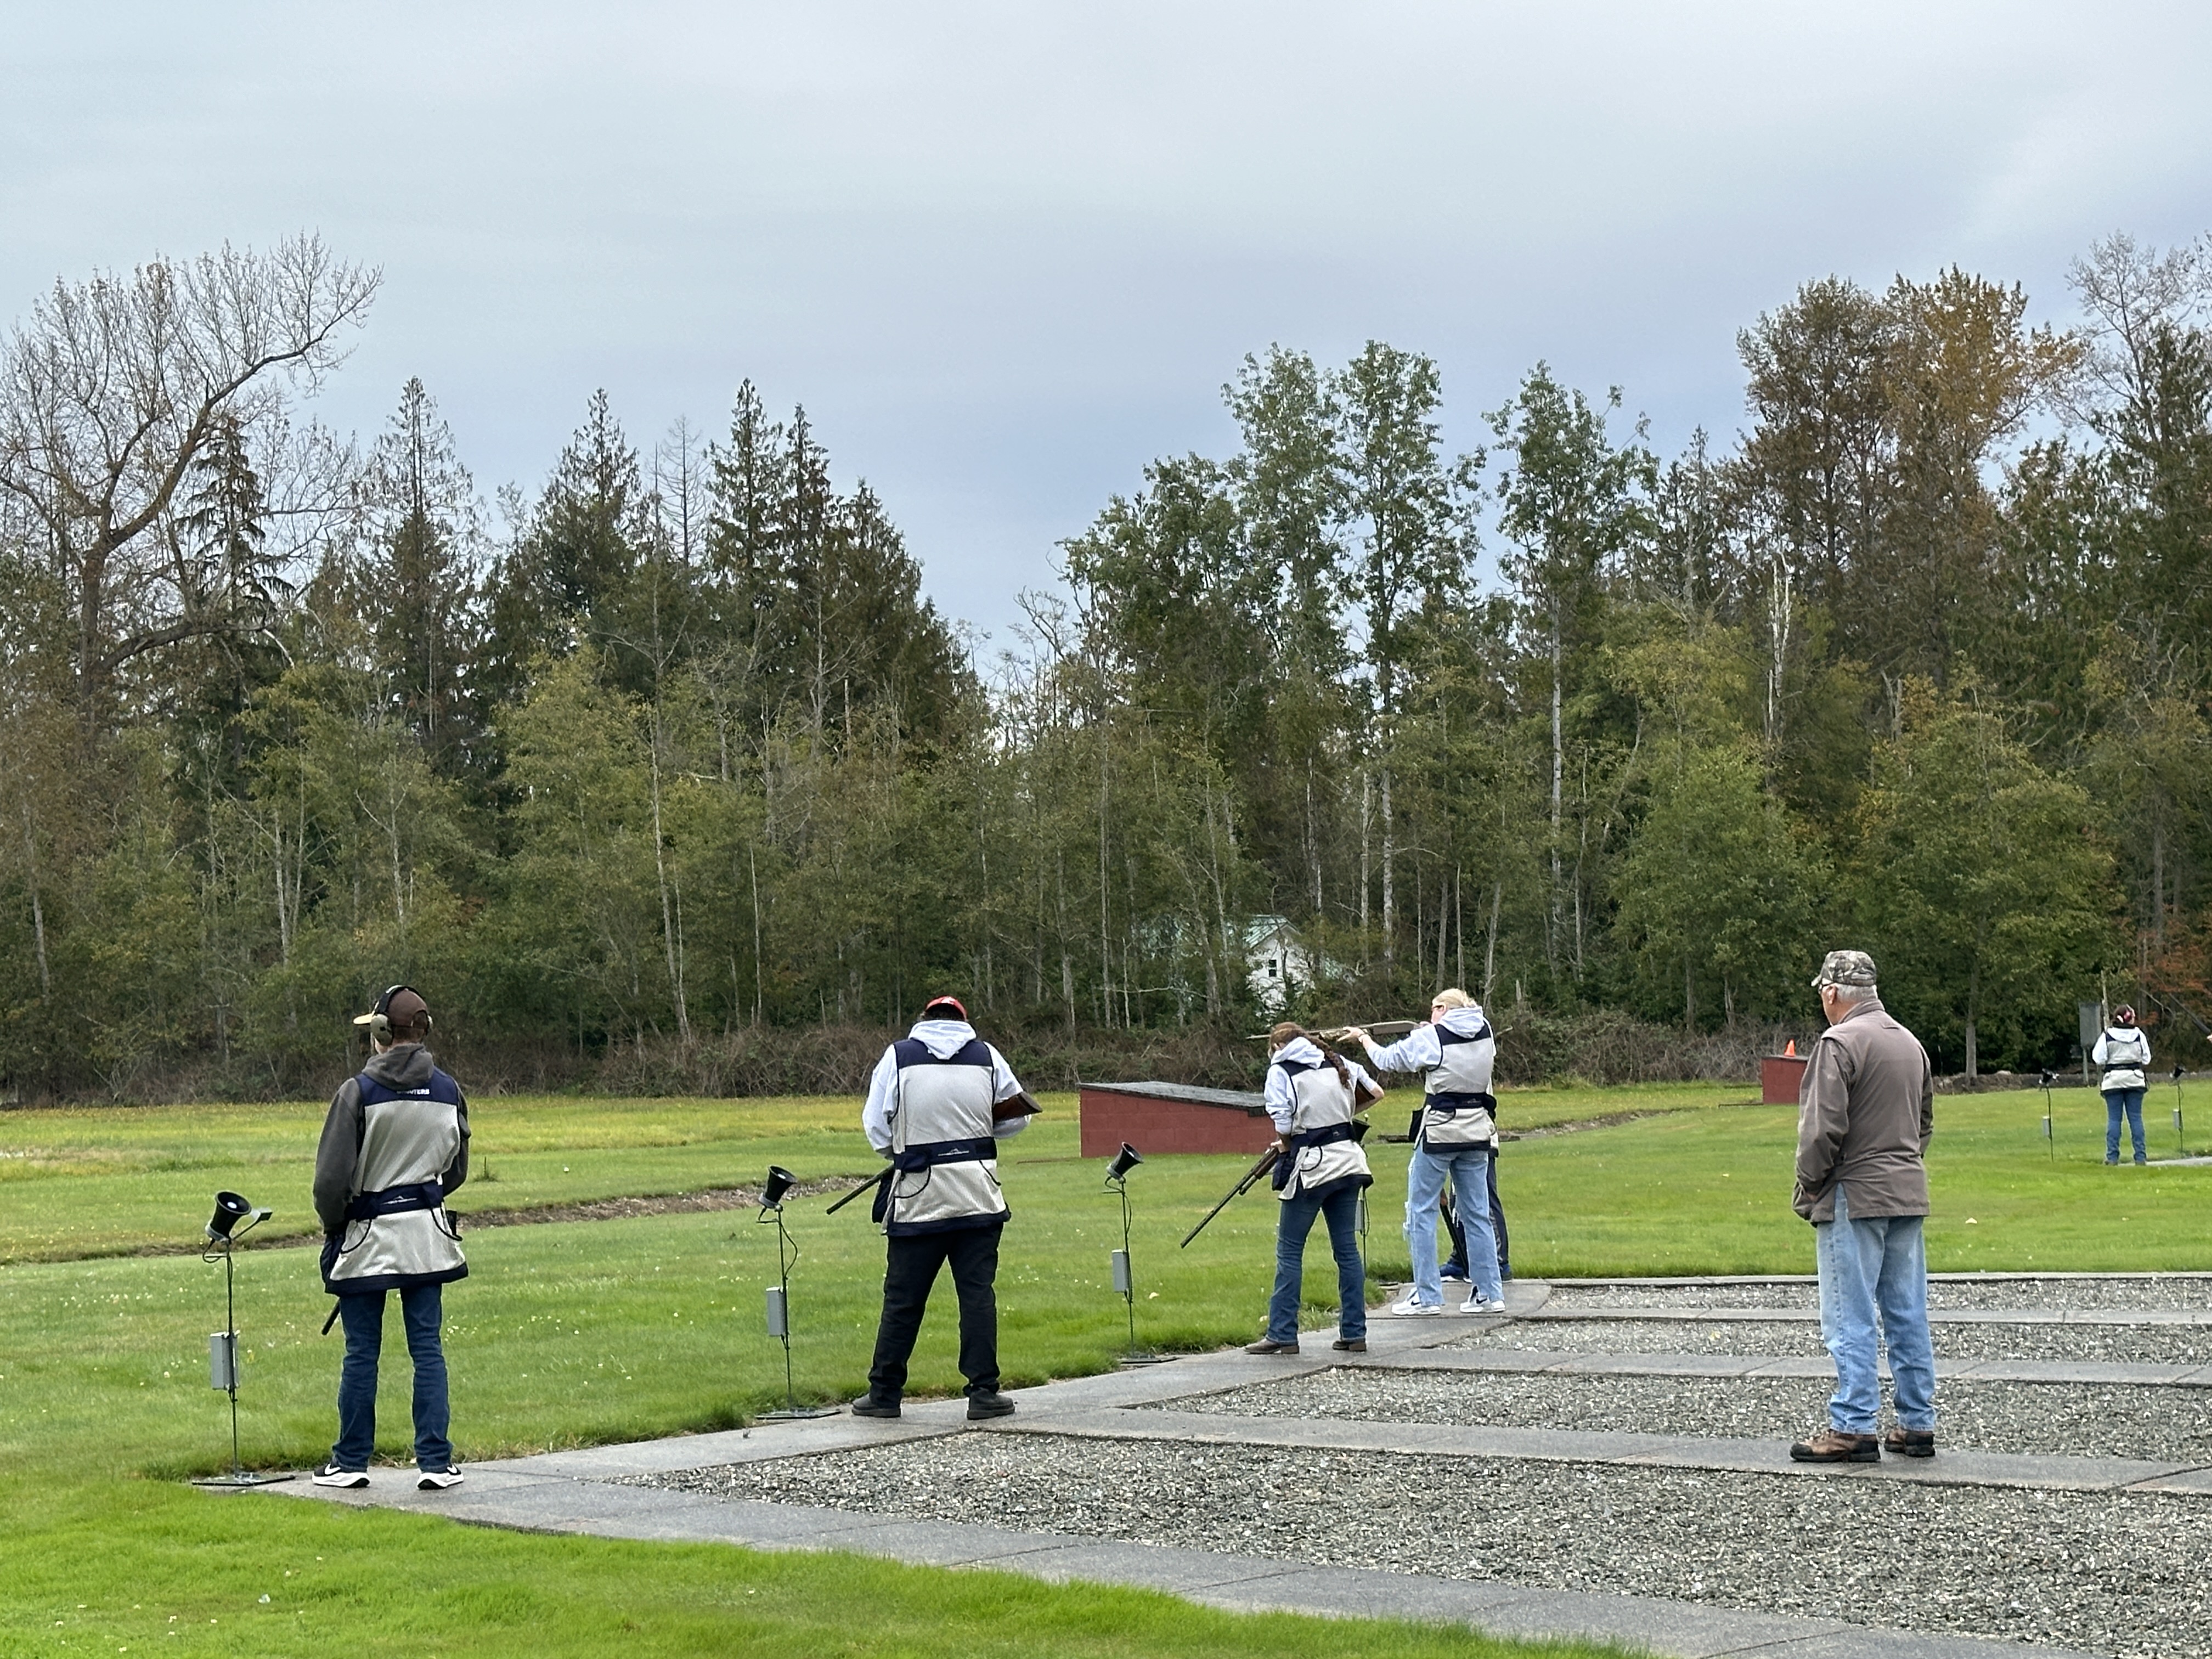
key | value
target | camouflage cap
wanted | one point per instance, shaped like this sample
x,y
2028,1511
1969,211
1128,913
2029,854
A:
x,y
1844,968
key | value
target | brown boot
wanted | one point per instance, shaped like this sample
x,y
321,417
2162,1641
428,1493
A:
x,y
1836,1446
1263,1346
1909,1443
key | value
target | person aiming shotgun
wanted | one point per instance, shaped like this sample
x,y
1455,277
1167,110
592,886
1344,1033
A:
x,y
1454,1138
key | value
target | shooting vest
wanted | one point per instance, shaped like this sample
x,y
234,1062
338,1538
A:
x,y
943,1148
397,1232
2127,1051
1459,1110
1322,1147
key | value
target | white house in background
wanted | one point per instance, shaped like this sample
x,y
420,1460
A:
x,y
1278,963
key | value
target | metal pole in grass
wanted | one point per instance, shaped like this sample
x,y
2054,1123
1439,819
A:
x,y
2048,1079
223,1233
2180,1137
780,1181
1125,1279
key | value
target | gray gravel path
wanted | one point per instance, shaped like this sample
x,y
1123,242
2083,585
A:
x,y
2032,1295
2155,1424
2177,1344
2125,1574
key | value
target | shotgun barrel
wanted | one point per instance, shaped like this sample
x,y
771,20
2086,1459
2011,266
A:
x,y
865,1186
1267,1162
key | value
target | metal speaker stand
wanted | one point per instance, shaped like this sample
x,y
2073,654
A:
x,y
222,1349
1117,1181
779,1312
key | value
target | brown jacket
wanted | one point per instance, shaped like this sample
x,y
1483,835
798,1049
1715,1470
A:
x,y
1865,1113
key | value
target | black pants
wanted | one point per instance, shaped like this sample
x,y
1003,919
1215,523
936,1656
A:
x,y
1496,1226
908,1277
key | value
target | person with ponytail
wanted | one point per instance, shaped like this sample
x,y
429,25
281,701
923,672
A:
x,y
1311,1094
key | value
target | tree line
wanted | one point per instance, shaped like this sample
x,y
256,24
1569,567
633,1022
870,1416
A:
x,y
674,748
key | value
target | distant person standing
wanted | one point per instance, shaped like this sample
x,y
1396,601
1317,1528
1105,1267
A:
x,y
1866,1111
1455,1137
2122,1051
394,1147
933,1109
1311,1093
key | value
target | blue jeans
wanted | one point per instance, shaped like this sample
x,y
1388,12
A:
x,y
1469,1169
420,1307
2131,1102
1867,1266
1294,1220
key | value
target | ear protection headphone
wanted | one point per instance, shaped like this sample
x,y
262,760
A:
x,y
378,1018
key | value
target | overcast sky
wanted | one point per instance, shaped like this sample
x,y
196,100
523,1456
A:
x,y
1007,254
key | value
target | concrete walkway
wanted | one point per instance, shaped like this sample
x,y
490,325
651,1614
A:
x,y
573,1491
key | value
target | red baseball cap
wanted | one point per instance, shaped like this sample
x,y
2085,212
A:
x,y
935,1003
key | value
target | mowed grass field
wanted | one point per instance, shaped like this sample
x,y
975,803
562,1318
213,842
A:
x,y
575,1332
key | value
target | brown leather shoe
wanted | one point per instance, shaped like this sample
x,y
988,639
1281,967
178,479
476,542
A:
x,y
1265,1346
1835,1446
1350,1345
1909,1443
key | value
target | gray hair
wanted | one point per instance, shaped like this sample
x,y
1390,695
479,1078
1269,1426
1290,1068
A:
x,y
1851,995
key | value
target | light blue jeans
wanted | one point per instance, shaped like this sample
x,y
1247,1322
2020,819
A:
x,y
2128,1101
1876,1267
1468,1170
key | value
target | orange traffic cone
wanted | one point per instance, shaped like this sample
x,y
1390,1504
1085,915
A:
x,y
1790,1049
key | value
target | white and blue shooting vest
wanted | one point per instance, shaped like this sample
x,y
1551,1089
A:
x,y
1459,1110
944,1153
396,1231
1322,1147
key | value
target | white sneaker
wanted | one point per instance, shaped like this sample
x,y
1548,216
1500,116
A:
x,y
331,1475
1407,1308
1479,1304
439,1479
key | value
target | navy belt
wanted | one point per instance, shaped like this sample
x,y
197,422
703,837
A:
x,y
1461,1102
394,1200
925,1154
1334,1132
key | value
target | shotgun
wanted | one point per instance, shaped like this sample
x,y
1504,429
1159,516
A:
x,y
1251,1175
1385,1029
889,1171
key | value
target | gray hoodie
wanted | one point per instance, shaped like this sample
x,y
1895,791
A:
x,y
338,1161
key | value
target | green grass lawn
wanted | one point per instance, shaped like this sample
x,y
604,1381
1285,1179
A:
x,y
584,1332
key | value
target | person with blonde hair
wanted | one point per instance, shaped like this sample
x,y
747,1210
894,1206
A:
x,y
1454,1138
1311,1094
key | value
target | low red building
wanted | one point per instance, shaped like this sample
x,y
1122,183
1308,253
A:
x,y
1779,1076
1172,1117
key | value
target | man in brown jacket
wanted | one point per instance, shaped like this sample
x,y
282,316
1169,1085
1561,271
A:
x,y
1866,1111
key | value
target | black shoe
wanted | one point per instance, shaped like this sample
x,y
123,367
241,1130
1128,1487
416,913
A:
x,y
1350,1345
868,1406
348,1479
994,1404
1263,1346
439,1479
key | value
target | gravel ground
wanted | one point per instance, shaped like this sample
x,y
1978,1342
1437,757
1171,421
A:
x,y
2030,1295
2158,1425
2123,1574
2154,1344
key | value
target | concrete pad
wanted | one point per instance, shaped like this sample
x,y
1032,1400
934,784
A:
x,y
1667,1627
